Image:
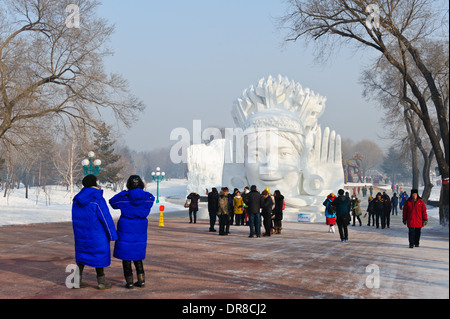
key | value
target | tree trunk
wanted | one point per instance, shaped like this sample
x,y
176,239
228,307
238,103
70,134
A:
x,y
443,205
428,186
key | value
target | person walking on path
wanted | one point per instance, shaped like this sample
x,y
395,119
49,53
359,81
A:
x,y
341,203
135,205
370,212
193,206
223,213
278,212
386,217
394,203
93,229
356,209
330,213
403,198
213,207
377,208
254,211
415,217
266,205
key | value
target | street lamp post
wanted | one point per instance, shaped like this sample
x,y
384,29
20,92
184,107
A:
x,y
158,177
91,166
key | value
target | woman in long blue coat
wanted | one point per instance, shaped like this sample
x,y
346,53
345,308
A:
x,y
135,205
93,229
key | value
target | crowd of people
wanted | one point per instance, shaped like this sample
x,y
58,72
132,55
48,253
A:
x,y
94,227
340,209
250,207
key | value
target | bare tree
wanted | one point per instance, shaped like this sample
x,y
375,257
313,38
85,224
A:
x,y
383,84
53,72
67,157
395,29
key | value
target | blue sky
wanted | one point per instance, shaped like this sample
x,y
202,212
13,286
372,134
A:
x,y
189,60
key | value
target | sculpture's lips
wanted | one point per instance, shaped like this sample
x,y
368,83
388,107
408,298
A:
x,y
270,179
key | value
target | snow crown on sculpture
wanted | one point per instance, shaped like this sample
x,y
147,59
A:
x,y
279,103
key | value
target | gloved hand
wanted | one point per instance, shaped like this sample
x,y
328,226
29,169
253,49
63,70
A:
x,y
404,222
425,222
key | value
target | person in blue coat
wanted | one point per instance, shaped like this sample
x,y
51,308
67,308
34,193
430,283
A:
x,y
93,229
135,205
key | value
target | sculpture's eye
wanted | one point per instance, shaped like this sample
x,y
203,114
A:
x,y
285,152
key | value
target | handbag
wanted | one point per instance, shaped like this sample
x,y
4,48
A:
x,y
187,204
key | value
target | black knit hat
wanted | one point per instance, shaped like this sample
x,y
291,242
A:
x,y
414,191
135,182
90,181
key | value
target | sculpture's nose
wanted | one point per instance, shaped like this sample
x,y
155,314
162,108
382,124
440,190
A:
x,y
269,166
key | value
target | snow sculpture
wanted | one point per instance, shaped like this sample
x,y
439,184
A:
x,y
282,146
205,166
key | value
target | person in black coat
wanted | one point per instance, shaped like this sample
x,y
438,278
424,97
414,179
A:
x,y
193,206
278,211
377,207
386,218
254,211
341,203
213,207
266,205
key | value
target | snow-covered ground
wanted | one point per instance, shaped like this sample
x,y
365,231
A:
x,y
54,205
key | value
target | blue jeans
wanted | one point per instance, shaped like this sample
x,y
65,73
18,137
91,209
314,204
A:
x,y
255,224
394,209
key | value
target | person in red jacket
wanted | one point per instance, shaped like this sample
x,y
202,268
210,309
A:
x,y
415,217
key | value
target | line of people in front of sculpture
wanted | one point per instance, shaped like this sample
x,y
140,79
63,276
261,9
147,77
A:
x,y
242,208
338,208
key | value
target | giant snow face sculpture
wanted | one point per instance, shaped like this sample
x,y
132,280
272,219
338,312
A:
x,y
282,144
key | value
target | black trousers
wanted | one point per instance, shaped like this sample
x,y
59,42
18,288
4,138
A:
x,y
342,226
354,220
212,220
385,219
267,223
371,217
128,271
194,212
224,224
377,219
414,236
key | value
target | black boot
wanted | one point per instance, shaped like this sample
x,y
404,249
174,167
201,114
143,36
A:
x,y
102,283
80,273
141,281
129,280
139,264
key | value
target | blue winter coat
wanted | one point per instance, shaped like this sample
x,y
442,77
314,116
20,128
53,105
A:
x,y
135,206
93,228
328,212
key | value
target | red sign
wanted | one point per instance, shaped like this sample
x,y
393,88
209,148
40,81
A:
x,y
161,208
445,181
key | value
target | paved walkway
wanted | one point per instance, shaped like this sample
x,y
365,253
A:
x,y
185,261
